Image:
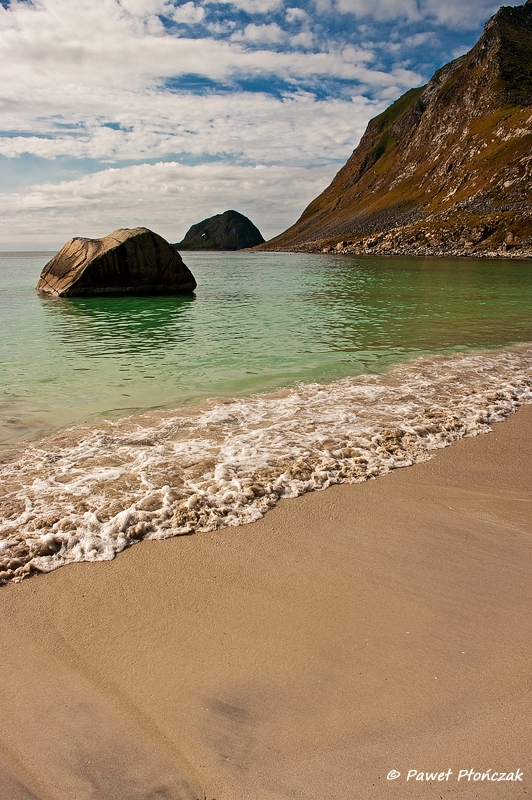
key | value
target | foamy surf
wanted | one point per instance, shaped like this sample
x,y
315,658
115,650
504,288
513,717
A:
x,y
89,492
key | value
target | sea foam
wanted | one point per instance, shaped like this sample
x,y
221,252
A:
x,y
87,493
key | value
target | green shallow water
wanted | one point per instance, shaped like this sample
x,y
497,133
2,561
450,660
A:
x,y
258,322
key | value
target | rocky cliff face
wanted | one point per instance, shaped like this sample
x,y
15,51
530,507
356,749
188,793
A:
x,y
447,169
228,231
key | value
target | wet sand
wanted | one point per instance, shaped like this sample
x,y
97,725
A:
x,y
379,626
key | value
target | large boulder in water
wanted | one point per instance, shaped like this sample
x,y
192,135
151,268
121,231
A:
x,y
228,231
127,261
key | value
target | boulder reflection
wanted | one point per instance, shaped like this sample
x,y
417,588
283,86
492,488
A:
x,y
100,327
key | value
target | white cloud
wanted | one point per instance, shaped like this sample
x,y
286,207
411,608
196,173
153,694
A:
x,y
189,14
453,13
72,92
458,14
419,39
296,15
251,127
381,9
220,28
391,93
167,198
268,34
304,39
356,55
144,8
48,69
251,6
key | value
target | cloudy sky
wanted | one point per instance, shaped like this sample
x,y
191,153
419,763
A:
x,y
117,113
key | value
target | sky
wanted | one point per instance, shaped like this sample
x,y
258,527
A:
x,y
120,113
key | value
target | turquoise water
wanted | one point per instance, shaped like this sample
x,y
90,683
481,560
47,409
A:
x,y
283,374
257,323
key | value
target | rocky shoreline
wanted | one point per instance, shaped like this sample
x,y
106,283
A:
x,y
454,252
486,241
386,248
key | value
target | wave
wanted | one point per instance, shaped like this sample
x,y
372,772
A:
x,y
87,493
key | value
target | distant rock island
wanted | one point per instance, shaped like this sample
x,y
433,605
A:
x,y
227,231
127,261
445,170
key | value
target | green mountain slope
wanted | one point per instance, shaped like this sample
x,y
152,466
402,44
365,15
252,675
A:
x,y
446,168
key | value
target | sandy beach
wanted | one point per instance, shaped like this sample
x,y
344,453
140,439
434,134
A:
x,y
351,632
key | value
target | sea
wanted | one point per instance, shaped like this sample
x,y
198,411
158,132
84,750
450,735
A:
x,y
129,418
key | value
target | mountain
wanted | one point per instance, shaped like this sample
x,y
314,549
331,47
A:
x,y
446,169
227,231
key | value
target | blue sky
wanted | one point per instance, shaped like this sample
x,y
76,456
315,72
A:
x,y
117,113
